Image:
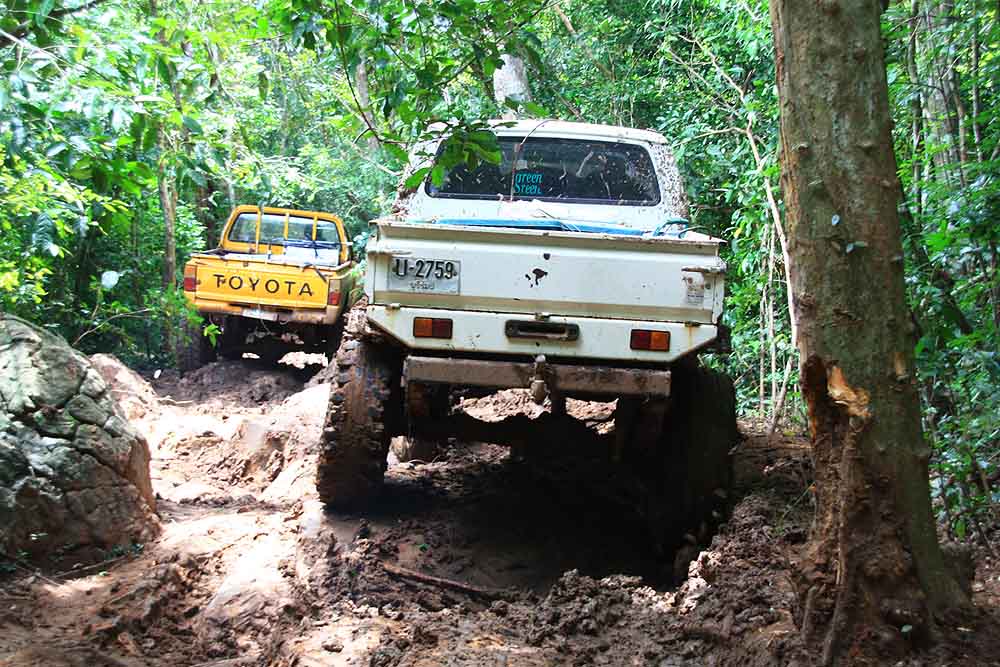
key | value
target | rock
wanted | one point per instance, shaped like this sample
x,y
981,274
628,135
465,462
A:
x,y
194,492
333,646
136,398
73,471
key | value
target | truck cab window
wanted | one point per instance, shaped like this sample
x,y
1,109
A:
x,y
567,170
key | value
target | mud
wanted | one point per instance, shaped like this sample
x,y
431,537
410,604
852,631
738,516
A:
x,y
477,558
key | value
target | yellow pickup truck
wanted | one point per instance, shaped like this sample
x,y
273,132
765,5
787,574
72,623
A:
x,y
278,281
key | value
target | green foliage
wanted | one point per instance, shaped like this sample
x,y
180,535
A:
x,y
948,161
112,114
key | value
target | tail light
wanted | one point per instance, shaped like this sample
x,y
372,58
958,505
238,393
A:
x,y
190,278
432,327
333,295
655,341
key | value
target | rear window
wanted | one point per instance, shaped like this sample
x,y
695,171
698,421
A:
x,y
568,170
272,230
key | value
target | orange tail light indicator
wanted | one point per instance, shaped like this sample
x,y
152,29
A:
x,y
432,327
333,295
190,279
654,341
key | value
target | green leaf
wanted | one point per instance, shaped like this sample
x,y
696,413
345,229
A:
x,y
416,178
536,109
55,149
192,125
437,175
43,11
118,118
396,152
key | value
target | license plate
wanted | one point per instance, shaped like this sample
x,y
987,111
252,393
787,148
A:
x,y
437,276
260,314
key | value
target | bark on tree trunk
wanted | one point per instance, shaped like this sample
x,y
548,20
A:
x,y
511,81
361,83
168,202
872,578
916,110
941,116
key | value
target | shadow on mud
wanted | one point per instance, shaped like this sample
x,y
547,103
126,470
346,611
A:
x,y
487,520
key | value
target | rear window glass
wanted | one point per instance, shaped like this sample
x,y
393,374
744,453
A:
x,y
569,170
272,230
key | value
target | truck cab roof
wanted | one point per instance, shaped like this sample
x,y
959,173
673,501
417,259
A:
x,y
549,127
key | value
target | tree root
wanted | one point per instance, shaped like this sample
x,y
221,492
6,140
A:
x,y
406,573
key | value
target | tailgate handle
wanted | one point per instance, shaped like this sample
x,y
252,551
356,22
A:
x,y
388,251
544,330
706,270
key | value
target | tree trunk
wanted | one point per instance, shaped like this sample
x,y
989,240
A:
x,y
872,577
916,111
364,100
168,202
511,81
939,91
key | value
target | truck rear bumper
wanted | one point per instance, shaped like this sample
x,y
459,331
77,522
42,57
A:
x,y
560,378
328,315
479,332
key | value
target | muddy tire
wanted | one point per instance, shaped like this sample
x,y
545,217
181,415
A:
x,y
700,432
234,337
193,348
334,338
678,454
364,399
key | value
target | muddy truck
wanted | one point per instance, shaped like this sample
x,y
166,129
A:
x,y
279,281
567,270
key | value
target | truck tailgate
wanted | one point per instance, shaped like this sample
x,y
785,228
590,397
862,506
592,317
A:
x,y
498,269
260,283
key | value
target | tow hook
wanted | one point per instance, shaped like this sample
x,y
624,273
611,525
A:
x,y
539,386
543,384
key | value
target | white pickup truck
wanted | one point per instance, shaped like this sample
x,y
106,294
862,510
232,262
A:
x,y
566,269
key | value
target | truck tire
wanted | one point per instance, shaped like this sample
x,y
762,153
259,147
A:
x,y
334,337
234,337
699,433
193,349
355,442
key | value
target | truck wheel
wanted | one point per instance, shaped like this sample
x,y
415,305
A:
x,y
334,337
699,434
234,337
193,349
364,399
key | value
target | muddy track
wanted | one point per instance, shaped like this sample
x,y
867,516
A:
x,y
476,558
